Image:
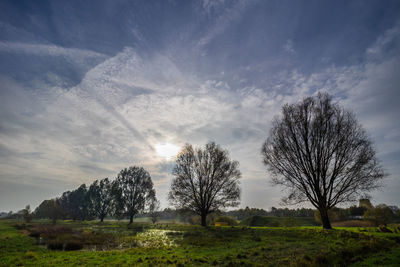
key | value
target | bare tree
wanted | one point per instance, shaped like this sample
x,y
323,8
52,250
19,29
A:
x,y
26,214
133,192
154,210
205,180
320,153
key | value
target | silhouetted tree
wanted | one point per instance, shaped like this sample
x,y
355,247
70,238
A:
x,y
49,209
154,210
26,214
205,180
320,153
100,197
357,211
133,192
76,203
380,215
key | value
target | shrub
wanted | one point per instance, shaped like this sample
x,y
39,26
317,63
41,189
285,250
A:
x,y
31,255
73,245
289,222
226,219
380,215
256,238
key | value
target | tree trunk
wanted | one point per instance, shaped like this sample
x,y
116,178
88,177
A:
x,y
326,224
204,219
101,218
130,219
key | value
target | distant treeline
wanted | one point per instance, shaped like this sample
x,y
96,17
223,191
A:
x,y
242,214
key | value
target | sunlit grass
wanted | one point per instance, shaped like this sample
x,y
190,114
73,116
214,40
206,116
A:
x,y
173,244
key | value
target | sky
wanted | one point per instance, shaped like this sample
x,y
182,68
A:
x,y
88,88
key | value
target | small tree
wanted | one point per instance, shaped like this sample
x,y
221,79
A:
x,y
76,203
26,214
133,192
100,197
321,154
205,180
380,215
154,210
49,209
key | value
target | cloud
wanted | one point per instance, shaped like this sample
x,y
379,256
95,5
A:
x,y
75,54
288,46
122,105
222,21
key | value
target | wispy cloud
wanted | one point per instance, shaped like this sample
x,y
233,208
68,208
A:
x,y
122,105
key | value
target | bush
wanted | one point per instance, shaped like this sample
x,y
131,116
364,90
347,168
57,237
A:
x,y
228,220
31,255
73,245
380,215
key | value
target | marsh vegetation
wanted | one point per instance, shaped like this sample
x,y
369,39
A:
x,y
116,243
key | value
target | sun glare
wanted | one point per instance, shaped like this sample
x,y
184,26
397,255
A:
x,y
167,150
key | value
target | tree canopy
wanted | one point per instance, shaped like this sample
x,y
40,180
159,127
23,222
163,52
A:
x,y
100,197
133,192
321,154
205,180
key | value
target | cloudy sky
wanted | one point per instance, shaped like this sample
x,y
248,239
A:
x,y
90,87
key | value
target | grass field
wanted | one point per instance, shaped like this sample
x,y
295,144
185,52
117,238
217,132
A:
x,y
113,243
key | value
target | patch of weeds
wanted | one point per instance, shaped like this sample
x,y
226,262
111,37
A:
x,y
174,233
241,256
31,255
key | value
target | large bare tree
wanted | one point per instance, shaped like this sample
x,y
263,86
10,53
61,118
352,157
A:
x,y
321,154
205,180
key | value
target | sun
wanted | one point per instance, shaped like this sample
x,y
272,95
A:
x,y
167,150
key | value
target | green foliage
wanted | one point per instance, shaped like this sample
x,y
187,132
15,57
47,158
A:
x,y
226,219
76,204
100,198
380,215
133,192
50,209
30,255
26,214
278,221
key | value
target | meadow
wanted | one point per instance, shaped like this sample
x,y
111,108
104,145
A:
x,y
113,243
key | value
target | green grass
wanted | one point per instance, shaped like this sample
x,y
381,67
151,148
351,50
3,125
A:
x,y
193,246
